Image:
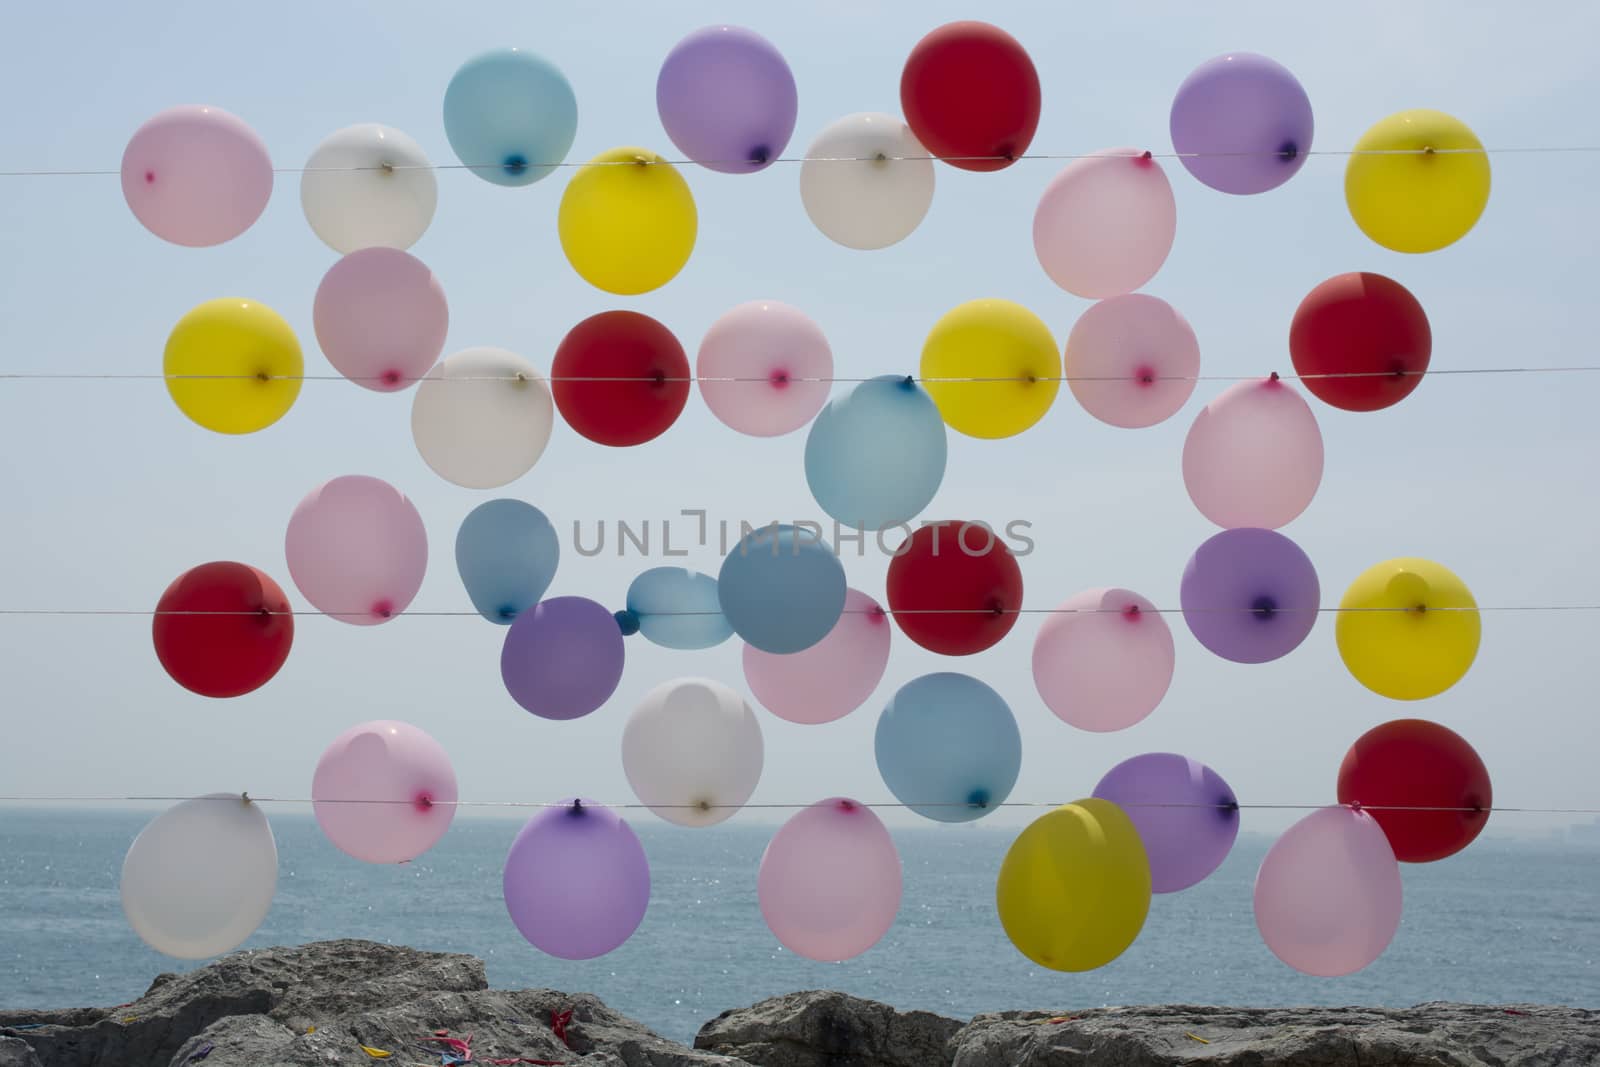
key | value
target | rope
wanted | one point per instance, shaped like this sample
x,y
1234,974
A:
x,y
1264,612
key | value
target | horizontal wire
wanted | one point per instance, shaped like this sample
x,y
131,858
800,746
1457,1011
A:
x,y
461,613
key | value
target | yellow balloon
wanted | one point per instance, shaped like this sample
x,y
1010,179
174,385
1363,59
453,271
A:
x,y
1074,887
627,221
994,339
1417,200
233,366
1408,629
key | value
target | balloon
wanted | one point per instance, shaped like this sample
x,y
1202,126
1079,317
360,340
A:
x,y
991,339
627,221
833,677
876,455
482,417
1253,456
222,629
954,588
381,318
510,116
1413,763
971,95
948,747
506,554
779,364
196,176
199,878
1250,596
1186,815
366,186
653,375
830,881
577,881
1408,629
781,589
1417,181
563,659
678,608
404,786
233,366
867,181
1327,896
727,99
1367,328
357,549
692,751
1241,124
1074,888
1105,224
1104,660
1132,361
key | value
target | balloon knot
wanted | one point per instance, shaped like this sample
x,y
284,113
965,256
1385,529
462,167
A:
x,y
383,609
1427,150
908,382
263,376
1146,159
149,177
1145,375
245,797
978,798
1420,609
386,166
1273,377
576,809
877,615
1288,150
515,164
847,805
996,607
642,160
658,377
1229,806
759,155
1264,607
1131,613
391,377
424,802
702,805
508,612
778,379
627,621
1355,806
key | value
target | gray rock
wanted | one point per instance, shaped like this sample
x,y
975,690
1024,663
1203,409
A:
x,y
15,1052
821,1028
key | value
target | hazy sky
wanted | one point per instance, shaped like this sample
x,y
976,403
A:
x,y
109,492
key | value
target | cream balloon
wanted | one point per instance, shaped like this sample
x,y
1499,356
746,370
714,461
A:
x,y
692,751
867,181
481,417
366,186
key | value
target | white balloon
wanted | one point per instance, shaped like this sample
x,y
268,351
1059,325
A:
x,y
199,879
366,186
692,751
863,191
481,418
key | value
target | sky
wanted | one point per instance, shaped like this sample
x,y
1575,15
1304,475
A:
x,y
109,492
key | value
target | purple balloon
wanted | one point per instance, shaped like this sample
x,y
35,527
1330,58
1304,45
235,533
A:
x,y
1185,813
1249,120
1250,595
727,99
563,658
576,880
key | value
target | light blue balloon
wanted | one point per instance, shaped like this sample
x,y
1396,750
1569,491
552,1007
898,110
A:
x,y
678,608
512,109
506,552
781,589
948,747
875,456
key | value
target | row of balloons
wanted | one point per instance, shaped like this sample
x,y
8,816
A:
x,y
1072,892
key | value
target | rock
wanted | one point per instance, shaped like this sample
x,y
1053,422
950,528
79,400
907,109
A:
x,y
15,1052
827,1029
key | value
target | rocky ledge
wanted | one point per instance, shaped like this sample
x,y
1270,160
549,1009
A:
x,y
357,1002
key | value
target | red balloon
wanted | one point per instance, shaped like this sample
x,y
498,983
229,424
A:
x,y
961,566
970,90
1366,324
632,347
1414,763
238,645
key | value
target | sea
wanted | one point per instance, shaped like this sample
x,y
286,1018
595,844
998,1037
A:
x,y
1506,921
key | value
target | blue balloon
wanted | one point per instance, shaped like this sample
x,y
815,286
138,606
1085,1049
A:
x,y
506,552
781,589
678,608
875,456
948,747
512,110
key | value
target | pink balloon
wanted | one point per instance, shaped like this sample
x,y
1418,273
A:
x,y
1328,893
196,176
1132,360
406,777
768,346
1104,660
1105,224
381,318
357,549
1253,456
833,677
830,881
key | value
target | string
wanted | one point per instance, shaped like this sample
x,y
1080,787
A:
x,y
1262,612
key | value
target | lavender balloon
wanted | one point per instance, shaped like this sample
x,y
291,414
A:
x,y
576,880
727,99
562,659
1250,595
1185,813
1248,121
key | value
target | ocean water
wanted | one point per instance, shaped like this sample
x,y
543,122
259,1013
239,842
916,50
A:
x,y
1505,921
